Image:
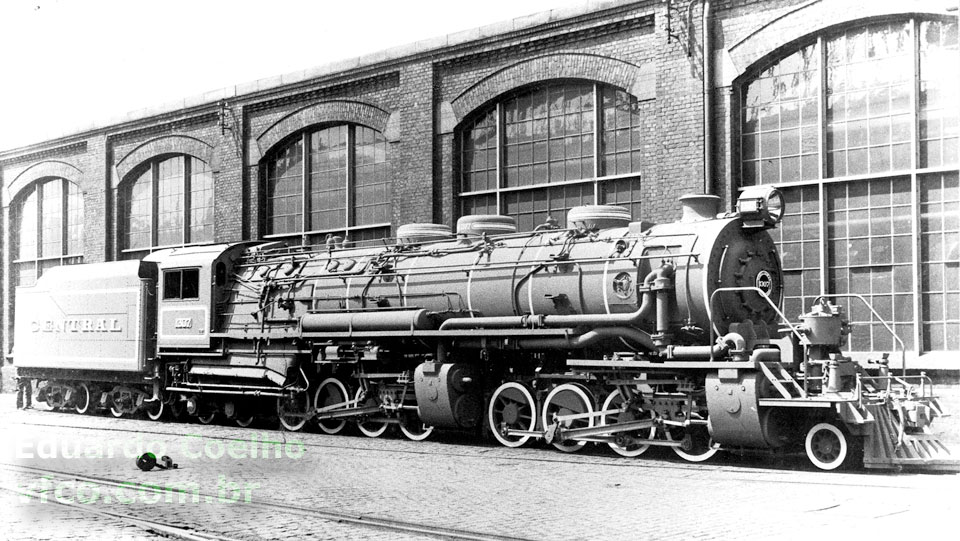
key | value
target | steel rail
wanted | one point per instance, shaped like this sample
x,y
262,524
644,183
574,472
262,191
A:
x,y
370,521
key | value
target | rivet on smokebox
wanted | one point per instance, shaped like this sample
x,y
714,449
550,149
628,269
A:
x,y
147,461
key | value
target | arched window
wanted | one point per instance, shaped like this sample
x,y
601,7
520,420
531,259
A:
x,y
859,127
166,202
537,152
333,180
47,228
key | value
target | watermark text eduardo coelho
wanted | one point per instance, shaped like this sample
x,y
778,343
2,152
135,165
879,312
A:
x,y
192,446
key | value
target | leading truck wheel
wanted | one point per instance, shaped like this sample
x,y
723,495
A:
x,y
512,406
564,400
826,446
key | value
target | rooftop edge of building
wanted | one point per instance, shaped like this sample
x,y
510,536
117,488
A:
x,y
341,67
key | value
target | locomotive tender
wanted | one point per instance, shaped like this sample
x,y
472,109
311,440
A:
x,y
624,333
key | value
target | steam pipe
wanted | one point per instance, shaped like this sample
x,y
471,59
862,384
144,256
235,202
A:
x,y
647,306
587,339
729,341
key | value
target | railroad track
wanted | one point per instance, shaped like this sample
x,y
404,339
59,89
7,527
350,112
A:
x,y
189,532
667,464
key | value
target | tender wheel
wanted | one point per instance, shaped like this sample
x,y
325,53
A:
x,y
512,406
244,421
208,418
613,401
697,445
826,446
413,428
115,409
370,429
291,410
331,391
83,399
155,410
568,399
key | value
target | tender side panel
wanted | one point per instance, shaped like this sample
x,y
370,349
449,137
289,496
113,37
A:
x,y
83,317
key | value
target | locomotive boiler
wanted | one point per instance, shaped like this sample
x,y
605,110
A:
x,y
607,330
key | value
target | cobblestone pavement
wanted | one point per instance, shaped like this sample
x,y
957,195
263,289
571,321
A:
x,y
534,493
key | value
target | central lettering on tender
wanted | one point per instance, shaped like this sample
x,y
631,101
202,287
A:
x,y
76,325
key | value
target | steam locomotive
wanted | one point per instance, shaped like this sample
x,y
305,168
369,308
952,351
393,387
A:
x,y
623,333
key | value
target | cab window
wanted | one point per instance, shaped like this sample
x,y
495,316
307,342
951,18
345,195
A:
x,y
181,284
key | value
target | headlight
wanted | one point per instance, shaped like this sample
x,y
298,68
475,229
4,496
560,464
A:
x,y
760,206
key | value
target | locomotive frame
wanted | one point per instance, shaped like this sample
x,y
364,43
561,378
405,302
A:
x,y
621,333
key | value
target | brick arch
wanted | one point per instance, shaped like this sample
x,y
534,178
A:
x,y
814,17
637,80
355,112
39,171
168,144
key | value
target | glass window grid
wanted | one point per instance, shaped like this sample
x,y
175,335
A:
x,y
940,260
373,191
622,140
869,241
40,230
349,185
798,239
939,126
40,236
201,202
944,33
869,110
780,120
157,207
328,178
533,127
284,198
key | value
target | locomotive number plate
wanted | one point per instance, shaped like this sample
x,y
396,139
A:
x,y
183,323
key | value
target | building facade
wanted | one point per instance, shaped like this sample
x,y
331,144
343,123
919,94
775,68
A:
x,y
851,108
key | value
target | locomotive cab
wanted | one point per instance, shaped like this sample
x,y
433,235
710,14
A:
x,y
187,290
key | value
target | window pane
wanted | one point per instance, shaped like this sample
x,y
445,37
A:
x,y
74,219
939,88
328,178
798,240
479,153
622,132
372,189
51,218
624,192
869,74
775,104
170,182
136,208
25,226
190,288
940,261
171,284
201,202
869,257
285,190
548,125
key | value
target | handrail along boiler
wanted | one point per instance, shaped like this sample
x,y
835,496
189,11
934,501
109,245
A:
x,y
625,333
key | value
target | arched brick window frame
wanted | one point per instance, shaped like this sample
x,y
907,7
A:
x,y
850,121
